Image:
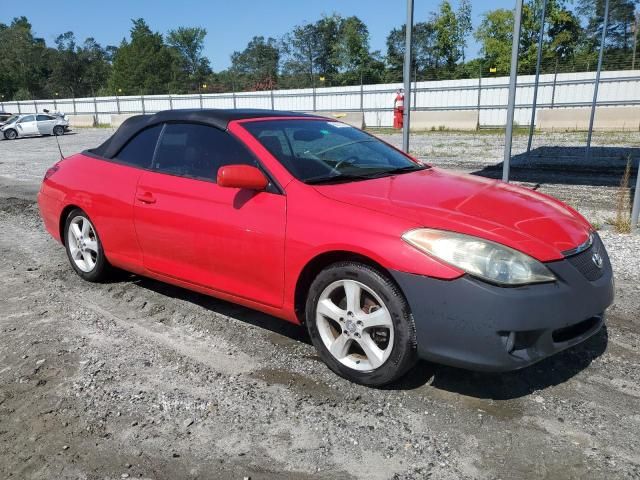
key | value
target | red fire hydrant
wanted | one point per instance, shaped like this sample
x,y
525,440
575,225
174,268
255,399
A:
x,y
398,109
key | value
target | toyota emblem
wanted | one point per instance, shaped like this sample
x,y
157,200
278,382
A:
x,y
597,259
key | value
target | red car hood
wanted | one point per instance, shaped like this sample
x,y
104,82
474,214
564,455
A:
x,y
530,222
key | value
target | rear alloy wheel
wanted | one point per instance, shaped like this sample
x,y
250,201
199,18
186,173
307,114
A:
x,y
58,130
360,324
10,134
84,248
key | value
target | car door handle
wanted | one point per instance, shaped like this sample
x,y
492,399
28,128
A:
x,y
146,198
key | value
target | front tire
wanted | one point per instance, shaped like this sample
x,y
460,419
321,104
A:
x,y
10,134
58,130
361,324
84,248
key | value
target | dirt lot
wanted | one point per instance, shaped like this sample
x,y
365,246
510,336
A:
x,y
138,379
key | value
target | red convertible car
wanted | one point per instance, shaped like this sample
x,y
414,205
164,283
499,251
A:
x,y
383,258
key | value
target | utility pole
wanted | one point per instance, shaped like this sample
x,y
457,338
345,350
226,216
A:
x,y
605,24
513,77
635,41
532,123
406,74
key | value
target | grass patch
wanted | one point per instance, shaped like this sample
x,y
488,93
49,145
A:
x,y
622,221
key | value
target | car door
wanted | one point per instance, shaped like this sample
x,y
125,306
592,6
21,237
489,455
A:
x,y
227,239
108,188
45,124
27,125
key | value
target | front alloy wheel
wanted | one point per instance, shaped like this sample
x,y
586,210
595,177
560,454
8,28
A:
x,y
360,323
84,248
354,325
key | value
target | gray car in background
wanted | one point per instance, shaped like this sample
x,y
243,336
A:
x,y
32,124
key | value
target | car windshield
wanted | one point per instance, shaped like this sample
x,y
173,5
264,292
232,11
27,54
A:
x,y
324,151
12,118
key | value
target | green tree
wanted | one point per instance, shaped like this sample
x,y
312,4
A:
x,y
448,42
423,58
77,70
620,24
24,62
145,65
257,65
465,27
495,34
564,34
356,62
187,44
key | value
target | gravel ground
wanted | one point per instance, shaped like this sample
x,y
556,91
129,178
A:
x,y
135,378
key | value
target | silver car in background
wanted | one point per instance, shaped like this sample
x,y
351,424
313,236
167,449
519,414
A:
x,y
31,124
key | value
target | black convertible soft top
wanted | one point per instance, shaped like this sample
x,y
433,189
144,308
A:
x,y
218,118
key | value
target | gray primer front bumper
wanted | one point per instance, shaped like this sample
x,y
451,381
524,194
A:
x,y
467,323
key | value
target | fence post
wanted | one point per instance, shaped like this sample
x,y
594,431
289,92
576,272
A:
x,y
19,109
95,110
74,105
272,101
415,87
233,91
142,100
555,79
170,102
597,81
35,106
118,104
361,93
635,211
479,94
314,97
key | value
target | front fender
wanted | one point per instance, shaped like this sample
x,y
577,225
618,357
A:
x,y
317,225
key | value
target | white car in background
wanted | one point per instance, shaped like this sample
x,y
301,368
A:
x,y
32,124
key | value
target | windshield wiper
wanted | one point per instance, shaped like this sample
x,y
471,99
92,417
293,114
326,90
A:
x,y
367,176
393,171
335,178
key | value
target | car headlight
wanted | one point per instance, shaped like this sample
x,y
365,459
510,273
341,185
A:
x,y
481,258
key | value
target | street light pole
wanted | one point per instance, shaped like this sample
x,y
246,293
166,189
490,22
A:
x,y
513,77
605,24
406,74
532,123
636,24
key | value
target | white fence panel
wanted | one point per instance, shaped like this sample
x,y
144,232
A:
x,y
376,101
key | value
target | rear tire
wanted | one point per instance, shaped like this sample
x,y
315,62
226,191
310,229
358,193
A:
x,y
10,134
84,248
58,130
360,324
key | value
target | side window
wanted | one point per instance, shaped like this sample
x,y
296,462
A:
x,y
198,151
44,118
138,152
28,118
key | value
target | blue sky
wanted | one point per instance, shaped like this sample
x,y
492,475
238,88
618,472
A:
x,y
230,24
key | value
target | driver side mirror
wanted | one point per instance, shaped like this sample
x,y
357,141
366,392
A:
x,y
242,176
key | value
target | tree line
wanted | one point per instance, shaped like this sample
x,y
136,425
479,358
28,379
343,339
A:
x,y
334,50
